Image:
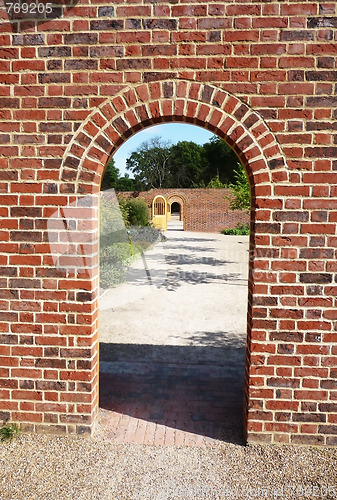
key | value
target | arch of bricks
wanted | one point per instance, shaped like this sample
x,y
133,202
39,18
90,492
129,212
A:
x,y
181,200
76,87
148,104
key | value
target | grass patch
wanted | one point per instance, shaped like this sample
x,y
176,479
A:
x,y
9,432
239,230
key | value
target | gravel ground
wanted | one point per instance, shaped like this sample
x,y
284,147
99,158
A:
x,y
63,468
37,467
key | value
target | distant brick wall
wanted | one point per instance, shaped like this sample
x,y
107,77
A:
x,y
204,209
261,75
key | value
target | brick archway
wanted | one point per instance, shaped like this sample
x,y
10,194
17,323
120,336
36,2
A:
x,y
181,201
228,117
73,90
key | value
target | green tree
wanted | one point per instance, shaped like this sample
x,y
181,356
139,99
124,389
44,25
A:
x,y
149,163
157,164
126,183
216,183
240,190
220,161
186,164
138,212
110,177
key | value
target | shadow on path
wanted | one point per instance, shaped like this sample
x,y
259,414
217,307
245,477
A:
x,y
187,389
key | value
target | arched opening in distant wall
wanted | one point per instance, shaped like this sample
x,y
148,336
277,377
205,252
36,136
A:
x,y
176,209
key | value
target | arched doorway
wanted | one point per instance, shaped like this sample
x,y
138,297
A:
x,y
177,212
159,212
246,132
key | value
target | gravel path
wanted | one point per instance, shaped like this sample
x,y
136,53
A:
x,y
37,467
196,296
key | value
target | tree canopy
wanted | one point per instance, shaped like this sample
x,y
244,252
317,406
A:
x,y
221,161
112,179
111,176
186,162
149,163
159,164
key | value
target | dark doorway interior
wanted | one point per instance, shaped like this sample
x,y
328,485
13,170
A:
x,y
175,210
176,220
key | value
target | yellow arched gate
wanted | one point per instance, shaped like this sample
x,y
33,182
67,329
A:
x,y
159,212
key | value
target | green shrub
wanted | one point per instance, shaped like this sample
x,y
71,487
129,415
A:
x,y
138,213
125,235
118,251
240,229
113,215
128,212
124,208
215,183
240,190
114,262
9,432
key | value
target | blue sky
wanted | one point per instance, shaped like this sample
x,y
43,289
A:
x,y
173,132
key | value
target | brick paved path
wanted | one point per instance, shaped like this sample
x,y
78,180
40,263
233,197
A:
x,y
171,404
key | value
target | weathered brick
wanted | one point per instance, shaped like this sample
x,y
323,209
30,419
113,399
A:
x,y
162,24
322,22
31,39
80,38
81,64
296,35
54,52
107,25
106,11
324,76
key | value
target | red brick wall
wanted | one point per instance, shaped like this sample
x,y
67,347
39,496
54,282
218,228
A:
x,y
204,209
262,75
